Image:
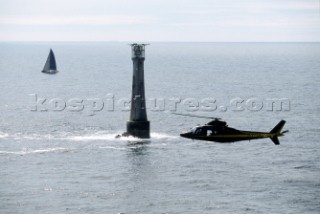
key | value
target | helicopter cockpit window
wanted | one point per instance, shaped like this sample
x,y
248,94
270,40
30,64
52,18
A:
x,y
198,131
193,130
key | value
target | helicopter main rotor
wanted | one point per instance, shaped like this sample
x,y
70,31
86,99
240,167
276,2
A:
x,y
198,116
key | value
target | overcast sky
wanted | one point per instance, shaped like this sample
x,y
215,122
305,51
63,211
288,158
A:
x,y
160,20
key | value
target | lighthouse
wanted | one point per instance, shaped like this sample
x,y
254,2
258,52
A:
x,y
138,124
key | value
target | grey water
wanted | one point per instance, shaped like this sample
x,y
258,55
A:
x,y
61,156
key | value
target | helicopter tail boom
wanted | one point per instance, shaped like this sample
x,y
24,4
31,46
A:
x,y
276,131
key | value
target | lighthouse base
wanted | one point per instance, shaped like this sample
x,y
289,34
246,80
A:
x,y
140,129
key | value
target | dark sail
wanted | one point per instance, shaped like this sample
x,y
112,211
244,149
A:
x,y
50,67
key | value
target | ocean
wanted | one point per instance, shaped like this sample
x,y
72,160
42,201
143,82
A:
x,y
58,152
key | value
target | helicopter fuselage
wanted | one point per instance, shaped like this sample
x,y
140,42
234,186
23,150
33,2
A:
x,y
223,133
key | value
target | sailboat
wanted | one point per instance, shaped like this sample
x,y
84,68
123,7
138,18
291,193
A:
x,y
50,67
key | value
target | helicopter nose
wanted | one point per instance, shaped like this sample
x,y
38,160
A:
x,y
187,135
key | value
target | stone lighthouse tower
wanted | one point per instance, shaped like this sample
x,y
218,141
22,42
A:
x,y
138,124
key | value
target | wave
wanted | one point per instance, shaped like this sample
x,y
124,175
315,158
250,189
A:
x,y
156,135
34,151
91,137
19,136
112,148
3,135
97,136
112,137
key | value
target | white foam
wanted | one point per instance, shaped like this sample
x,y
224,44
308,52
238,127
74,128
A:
x,y
20,136
37,137
156,135
34,151
112,147
92,137
3,135
112,137
98,136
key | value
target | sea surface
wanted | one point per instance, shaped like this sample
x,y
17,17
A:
x,y
58,152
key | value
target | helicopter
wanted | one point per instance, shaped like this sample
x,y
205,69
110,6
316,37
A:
x,y
218,130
